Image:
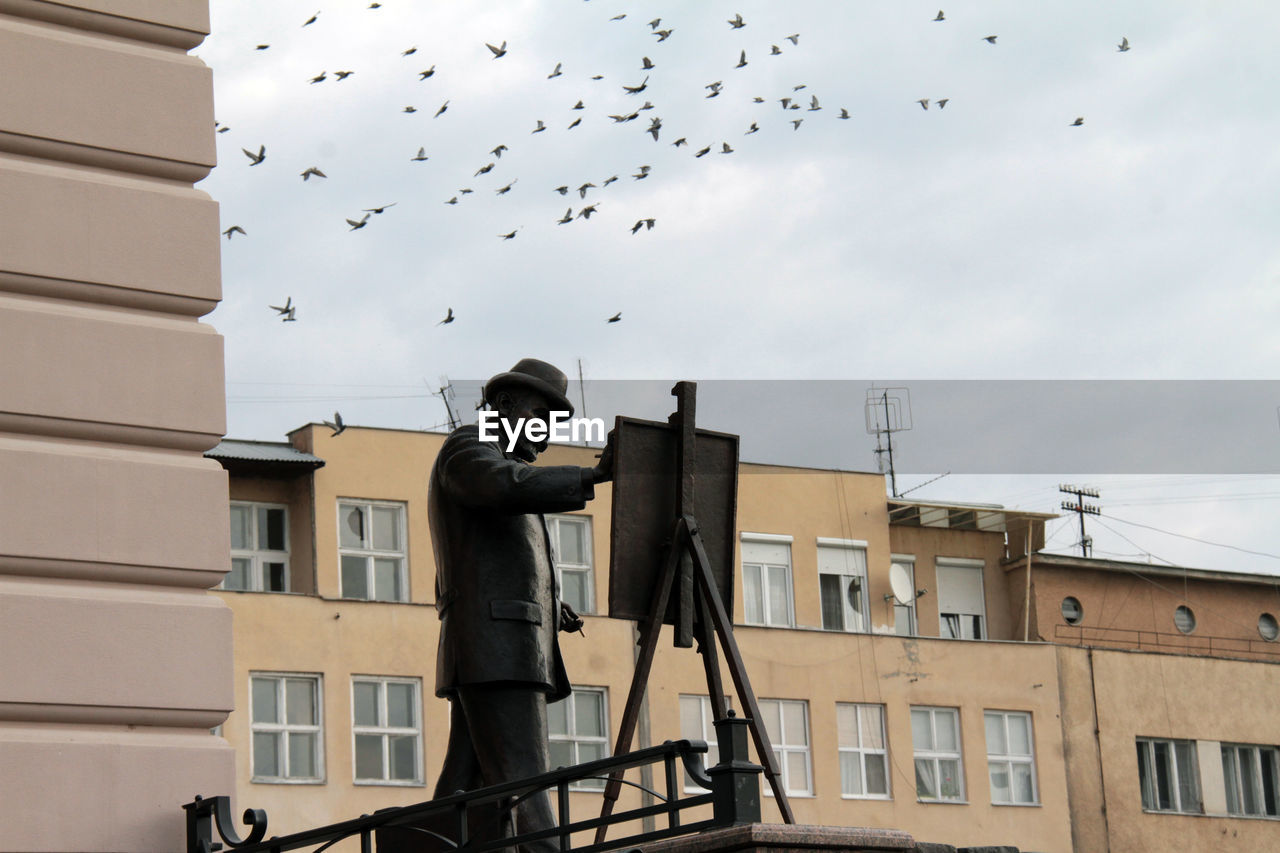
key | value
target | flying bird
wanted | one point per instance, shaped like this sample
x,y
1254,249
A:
x,y
989,39
256,158
541,127
736,21
289,318
654,126
663,35
336,424
448,318
343,75
940,17
726,149
618,17
464,191
422,155
222,128
742,60
484,170
813,103
506,189
423,75
941,103
555,73
312,170
702,151
410,109
375,5
497,152
1078,122
285,308
644,173
262,47
577,121
597,76
319,78
757,99
924,103
579,106
453,200
645,63
754,128
586,212
795,122
234,229
510,235
410,51
582,190
714,87
1124,44
794,39
653,25
562,190
376,210
615,318
774,50
498,52
844,113
635,90
358,224
440,111
567,218
311,20
786,102
647,106
640,223
680,141
608,181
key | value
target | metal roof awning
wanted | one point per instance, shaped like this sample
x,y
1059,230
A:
x,y
992,518
264,458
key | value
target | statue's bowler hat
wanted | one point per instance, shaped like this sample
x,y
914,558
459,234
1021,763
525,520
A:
x,y
546,379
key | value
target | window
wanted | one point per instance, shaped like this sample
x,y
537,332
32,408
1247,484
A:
x,y
286,728
1072,612
786,721
766,580
579,732
935,735
696,724
571,544
842,581
904,615
386,728
864,762
1184,618
961,610
1268,629
1011,760
371,550
1251,774
259,548
1167,776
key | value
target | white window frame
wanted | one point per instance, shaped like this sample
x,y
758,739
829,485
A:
x,y
908,562
587,569
979,568
282,729
854,620
706,732
259,557
935,756
1147,755
783,748
861,750
763,570
385,731
574,739
1008,758
1236,775
369,553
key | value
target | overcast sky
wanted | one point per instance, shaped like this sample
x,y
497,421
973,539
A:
x,y
990,239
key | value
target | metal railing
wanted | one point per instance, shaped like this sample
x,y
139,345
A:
x,y
734,797
1164,641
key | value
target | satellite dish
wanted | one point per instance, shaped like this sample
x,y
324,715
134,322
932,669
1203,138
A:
x,y
900,583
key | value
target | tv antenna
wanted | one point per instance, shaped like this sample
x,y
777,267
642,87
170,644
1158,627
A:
x,y
448,396
888,410
1081,509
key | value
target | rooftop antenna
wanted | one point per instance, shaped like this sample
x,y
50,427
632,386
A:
x,y
888,410
446,393
582,396
1081,509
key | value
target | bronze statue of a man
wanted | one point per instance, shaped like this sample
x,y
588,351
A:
x,y
499,661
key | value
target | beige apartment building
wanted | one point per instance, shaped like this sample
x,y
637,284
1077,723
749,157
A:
x,y
1084,705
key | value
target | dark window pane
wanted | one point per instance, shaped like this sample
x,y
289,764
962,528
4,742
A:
x,y
404,761
275,577
355,580
266,754
832,607
369,757
271,529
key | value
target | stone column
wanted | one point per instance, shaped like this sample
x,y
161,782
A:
x,y
114,662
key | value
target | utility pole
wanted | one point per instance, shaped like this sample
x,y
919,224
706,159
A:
x,y
1081,509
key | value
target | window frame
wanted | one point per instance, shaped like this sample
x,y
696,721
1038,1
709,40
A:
x,y
385,731
571,737
979,568
859,617
781,749
1009,758
863,751
934,755
764,597
907,561
369,554
259,557
282,730
587,570
1233,778
1148,791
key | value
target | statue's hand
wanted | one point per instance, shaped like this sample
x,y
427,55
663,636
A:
x,y
603,472
570,621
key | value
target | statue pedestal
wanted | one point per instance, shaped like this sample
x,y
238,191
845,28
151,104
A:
x,y
787,838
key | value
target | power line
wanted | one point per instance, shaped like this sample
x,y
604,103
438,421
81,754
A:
x,y
1193,538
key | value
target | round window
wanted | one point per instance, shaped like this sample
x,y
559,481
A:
x,y
1184,619
1071,610
1268,628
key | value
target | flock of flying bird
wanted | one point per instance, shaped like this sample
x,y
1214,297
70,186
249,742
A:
x,y
789,103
